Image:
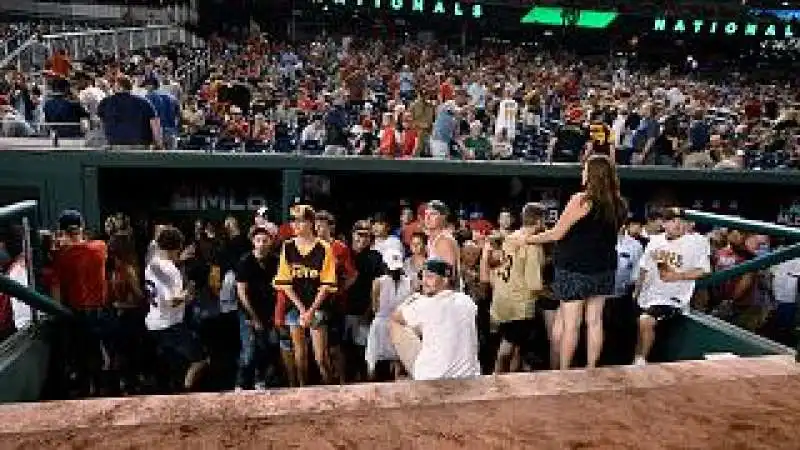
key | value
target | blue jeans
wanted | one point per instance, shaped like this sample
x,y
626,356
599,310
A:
x,y
259,357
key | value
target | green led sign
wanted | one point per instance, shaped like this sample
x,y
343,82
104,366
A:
x,y
437,7
582,18
729,28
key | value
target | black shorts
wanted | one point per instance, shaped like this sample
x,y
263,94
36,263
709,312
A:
x,y
547,303
179,341
662,313
516,332
571,286
335,329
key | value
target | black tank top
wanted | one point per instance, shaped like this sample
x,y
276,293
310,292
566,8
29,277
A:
x,y
589,246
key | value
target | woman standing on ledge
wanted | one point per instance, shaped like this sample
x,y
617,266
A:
x,y
585,258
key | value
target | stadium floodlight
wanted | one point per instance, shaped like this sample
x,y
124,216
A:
x,y
556,16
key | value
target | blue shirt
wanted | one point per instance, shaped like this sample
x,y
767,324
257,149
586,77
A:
x,y
59,109
167,109
126,119
444,128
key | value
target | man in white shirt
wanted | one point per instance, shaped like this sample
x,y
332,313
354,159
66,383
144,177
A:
x,y
167,296
445,320
784,290
667,272
506,116
629,251
385,243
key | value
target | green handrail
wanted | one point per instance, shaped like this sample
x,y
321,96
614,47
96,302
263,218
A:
x,y
762,262
740,223
25,294
759,263
17,209
33,299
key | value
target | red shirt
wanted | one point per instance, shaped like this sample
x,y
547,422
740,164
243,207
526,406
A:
x,y
481,226
345,268
285,231
726,258
408,142
79,270
446,91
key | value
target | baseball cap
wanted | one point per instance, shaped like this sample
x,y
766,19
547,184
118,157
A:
x,y
362,227
393,259
269,229
304,212
70,220
263,212
439,267
438,206
668,214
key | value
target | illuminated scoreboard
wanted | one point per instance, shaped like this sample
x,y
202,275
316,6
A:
x,y
698,26
452,9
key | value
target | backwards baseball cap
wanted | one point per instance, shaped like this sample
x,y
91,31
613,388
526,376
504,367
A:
x,y
269,229
668,214
263,212
70,220
439,206
439,267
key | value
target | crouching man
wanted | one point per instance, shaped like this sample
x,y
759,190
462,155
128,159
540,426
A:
x,y
669,267
435,333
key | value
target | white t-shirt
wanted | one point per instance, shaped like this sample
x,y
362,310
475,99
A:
x,y
163,282
784,281
22,313
388,246
506,118
681,255
449,336
629,251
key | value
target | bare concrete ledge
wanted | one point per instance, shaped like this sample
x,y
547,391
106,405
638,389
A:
x,y
205,408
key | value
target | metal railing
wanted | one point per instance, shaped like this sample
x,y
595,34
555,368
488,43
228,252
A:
x,y
31,55
759,263
27,212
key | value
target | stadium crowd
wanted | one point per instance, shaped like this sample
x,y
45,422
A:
x,y
432,294
400,100
425,292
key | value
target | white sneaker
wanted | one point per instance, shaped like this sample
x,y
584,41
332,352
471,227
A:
x,y
238,389
261,386
639,361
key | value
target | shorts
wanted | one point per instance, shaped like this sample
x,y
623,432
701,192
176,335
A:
x,y
547,303
284,339
571,286
516,332
179,341
293,318
335,329
356,330
662,313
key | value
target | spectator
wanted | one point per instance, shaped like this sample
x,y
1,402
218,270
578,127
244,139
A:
x,y
669,267
167,109
129,122
166,320
79,281
66,114
444,131
60,63
435,333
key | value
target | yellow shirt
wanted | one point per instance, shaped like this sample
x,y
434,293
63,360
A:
x,y
516,283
